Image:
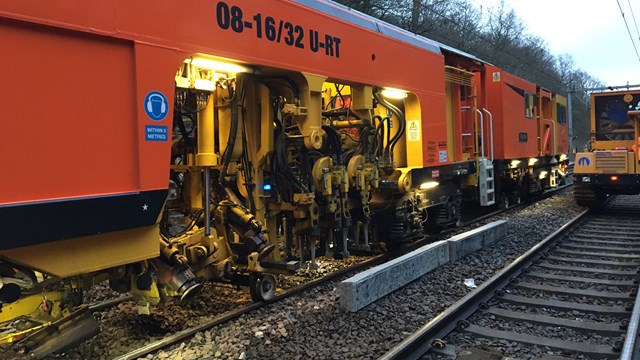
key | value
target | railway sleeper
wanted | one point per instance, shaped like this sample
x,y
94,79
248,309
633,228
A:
x,y
592,350
588,196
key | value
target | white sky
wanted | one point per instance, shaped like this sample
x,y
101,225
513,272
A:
x,y
591,31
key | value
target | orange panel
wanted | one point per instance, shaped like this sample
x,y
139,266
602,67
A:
x,y
156,69
511,126
563,138
68,101
434,129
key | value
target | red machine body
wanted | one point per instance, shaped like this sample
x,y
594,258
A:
x,y
86,139
75,120
155,144
514,124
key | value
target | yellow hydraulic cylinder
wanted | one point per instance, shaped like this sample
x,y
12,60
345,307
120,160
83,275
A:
x,y
206,155
194,184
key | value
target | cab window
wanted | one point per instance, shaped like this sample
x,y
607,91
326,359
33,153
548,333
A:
x,y
561,110
528,105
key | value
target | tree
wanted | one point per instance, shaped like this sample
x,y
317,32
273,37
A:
x,y
496,35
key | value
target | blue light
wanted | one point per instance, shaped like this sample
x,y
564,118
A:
x,y
266,187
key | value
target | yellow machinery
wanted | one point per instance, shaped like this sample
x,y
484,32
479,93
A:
x,y
611,165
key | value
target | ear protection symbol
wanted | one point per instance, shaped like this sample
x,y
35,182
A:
x,y
163,106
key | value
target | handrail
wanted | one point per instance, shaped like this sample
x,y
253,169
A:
x,y
490,129
481,131
555,137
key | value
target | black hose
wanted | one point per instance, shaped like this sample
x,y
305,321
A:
x,y
401,120
248,179
386,148
305,167
341,112
334,141
363,146
280,156
385,104
403,124
177,119
375,136
231,141
292,84
380,132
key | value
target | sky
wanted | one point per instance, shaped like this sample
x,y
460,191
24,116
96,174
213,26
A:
x,y
593,32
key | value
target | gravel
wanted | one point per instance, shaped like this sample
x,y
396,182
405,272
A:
x,y
312,324
316,327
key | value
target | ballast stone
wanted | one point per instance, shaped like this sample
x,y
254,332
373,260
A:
x,y
368,286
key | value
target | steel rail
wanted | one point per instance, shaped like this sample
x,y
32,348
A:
x,y
631,337
109,303
421,341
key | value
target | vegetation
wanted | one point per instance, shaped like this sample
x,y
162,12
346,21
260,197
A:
x,y
495,35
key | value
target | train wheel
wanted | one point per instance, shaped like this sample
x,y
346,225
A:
x,y
262,287
503,201
445,215
454,207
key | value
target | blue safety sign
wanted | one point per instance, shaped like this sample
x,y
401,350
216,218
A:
x,y
156,133
156,105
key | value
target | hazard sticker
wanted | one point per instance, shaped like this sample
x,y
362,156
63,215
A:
x,y
496,76
442,155
413,133
156,105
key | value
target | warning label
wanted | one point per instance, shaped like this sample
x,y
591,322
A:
x,y
414,130
156,133
442,155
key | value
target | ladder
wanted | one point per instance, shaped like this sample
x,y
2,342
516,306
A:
x,y
486,182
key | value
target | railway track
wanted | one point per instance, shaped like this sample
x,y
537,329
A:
x,y
183,335
42,343
572,294
188,333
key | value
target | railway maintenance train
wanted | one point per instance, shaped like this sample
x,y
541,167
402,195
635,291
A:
x,y
611,163
159,144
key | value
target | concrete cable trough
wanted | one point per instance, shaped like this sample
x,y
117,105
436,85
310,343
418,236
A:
x,y
371,285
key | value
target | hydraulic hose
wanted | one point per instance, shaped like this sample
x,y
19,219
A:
x,y
231,141
335,141
401,120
